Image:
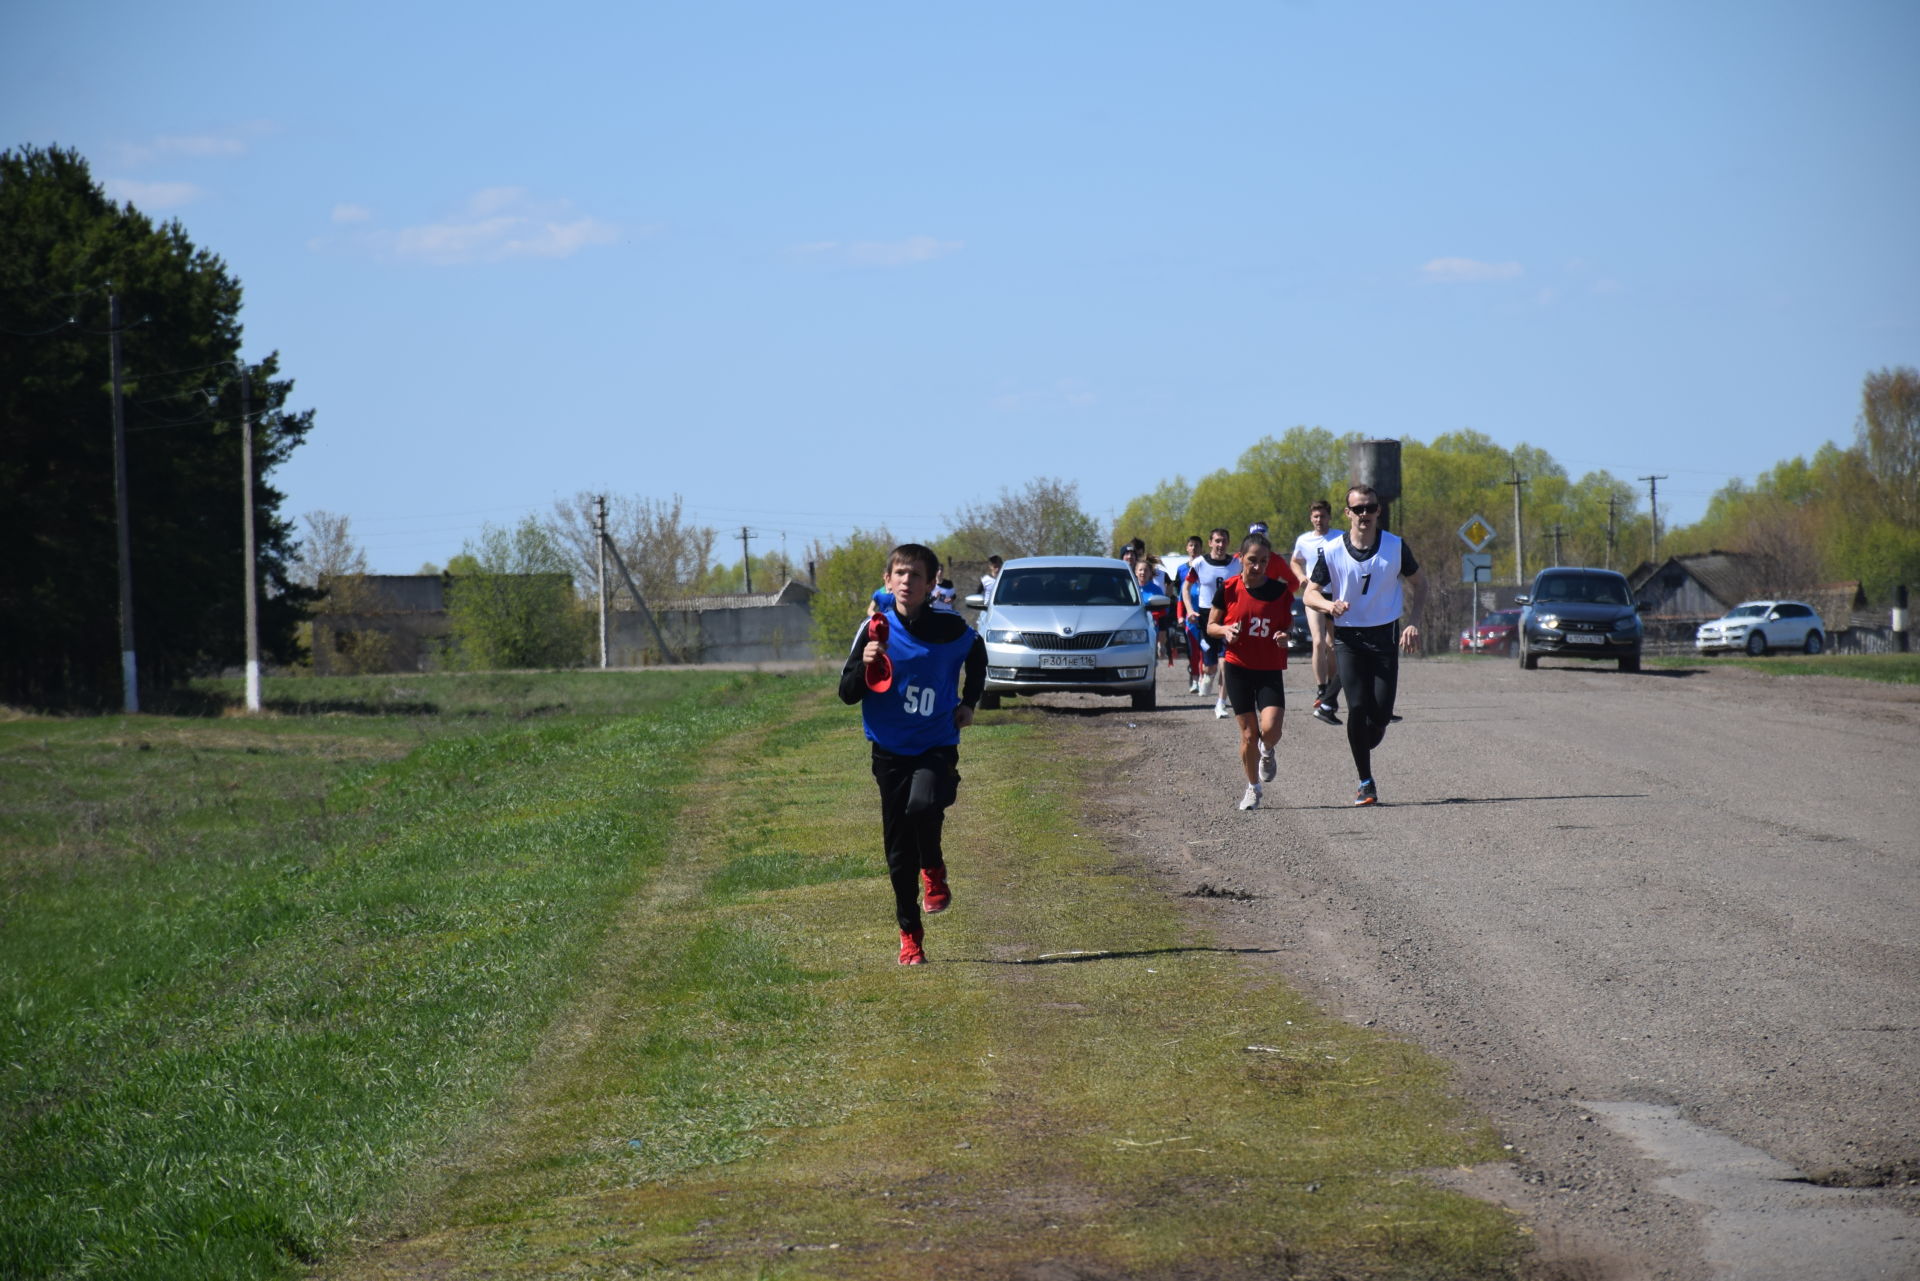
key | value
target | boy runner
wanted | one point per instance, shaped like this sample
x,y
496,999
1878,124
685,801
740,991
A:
x,y
1209,571
1306,554
914,726
1252,614
1183,615
1357,585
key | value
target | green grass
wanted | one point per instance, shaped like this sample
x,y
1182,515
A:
x,y
1893,669
750,1086
587,974
254,970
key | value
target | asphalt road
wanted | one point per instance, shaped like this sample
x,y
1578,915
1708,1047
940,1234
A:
x,y
1666,925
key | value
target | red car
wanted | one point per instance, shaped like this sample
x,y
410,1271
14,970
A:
x,y
1494,635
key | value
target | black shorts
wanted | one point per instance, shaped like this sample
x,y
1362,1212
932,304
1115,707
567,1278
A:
x,y
1251,689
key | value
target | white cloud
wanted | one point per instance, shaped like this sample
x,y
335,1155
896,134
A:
x,y
151,195
881,253
1467,271
496,223
197,146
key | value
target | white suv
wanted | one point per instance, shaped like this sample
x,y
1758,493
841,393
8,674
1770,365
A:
x,y
1761,625
1068,624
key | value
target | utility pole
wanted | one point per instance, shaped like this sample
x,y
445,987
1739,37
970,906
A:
x,y
1653,502
129,668
600,556
1613,501
1554,534
746,558
1519,557
246,533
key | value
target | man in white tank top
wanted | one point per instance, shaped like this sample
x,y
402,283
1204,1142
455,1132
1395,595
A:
x,y
1357,585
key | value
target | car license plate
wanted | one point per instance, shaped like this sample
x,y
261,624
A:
x,y
1584,638
1066,660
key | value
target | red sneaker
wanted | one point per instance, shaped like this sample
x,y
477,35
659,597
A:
x,y
937,894
910,953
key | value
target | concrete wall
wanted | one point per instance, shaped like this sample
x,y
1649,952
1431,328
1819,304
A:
x,y
757,634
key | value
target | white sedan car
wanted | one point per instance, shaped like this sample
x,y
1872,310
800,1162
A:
x,y
1758,626
1068,623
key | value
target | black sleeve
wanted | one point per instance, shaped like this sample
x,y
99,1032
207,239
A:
x,y
975,678
1408,565
853,676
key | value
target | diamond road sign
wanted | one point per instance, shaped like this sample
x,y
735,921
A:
x,y
1476,533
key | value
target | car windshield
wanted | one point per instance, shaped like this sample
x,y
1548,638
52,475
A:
x,y
1747,611
1591,589
1502,618
1066,586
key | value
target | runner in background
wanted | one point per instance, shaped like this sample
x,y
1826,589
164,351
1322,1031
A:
x,y
1183,613
1209,571
1306,554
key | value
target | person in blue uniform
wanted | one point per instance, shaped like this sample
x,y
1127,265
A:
x,y
939,669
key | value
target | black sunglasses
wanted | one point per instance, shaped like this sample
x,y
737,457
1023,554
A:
x,y
1364,509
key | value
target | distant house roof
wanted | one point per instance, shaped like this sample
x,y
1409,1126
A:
x,y
1836,603
1724,575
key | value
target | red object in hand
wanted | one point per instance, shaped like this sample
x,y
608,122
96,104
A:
x,y
880,670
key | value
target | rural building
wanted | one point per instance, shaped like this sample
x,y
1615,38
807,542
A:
x,y
761,628
373,623
379,623
1685,591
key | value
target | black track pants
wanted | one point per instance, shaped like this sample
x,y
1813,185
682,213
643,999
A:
x,y
914,794
1369,664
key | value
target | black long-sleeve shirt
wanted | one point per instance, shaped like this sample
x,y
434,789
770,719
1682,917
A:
x,y
934,627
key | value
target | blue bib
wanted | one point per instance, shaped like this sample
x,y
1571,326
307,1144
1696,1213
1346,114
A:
x,y
916,715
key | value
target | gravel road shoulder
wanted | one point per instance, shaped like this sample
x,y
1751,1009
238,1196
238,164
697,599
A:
x,y
1615,903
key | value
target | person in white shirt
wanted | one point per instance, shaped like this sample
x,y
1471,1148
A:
x,y
1209,571
1306,554
992,576
1357,584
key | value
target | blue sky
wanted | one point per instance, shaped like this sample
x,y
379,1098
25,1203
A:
x,y
818,267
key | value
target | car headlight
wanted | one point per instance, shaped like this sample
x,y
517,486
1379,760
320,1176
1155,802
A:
x,y
1129,636
1002,636
1547,620
1630,623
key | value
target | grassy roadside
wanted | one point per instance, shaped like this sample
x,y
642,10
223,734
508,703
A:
x,y
747,1085
1892,669
254,970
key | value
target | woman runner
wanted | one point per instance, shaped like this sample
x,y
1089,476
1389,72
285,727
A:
x,y
1253,613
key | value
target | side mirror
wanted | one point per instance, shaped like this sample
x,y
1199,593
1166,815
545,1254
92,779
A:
x,y
976,601
1523,600
1157,602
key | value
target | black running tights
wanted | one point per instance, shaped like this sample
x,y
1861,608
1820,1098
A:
x,y
914,794
1369,664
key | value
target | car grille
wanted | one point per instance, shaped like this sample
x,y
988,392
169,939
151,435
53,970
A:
x,y
1048,640
1581,625
1060,676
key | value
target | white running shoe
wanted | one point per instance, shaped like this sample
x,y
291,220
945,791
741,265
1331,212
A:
x,y
1220,709
1268,766
1193,686
1251,800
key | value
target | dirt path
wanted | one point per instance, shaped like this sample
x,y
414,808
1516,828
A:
x,y
1666,927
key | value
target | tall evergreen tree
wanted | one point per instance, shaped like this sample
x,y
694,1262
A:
x,y
64,250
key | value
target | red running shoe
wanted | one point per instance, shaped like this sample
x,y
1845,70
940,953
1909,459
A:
x,y
910,953
937,894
